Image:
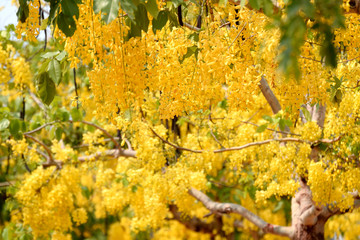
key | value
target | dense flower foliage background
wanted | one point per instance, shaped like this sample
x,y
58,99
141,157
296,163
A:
x,y
114,122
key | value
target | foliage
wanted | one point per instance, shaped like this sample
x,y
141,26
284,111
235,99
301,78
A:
x,y
106,126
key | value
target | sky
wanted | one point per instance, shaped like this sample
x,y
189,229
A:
x,y
7,14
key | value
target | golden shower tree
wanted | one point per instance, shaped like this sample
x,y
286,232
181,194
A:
x,y
182,119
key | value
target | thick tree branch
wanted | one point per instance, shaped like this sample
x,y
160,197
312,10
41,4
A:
x,y
235,208
269,95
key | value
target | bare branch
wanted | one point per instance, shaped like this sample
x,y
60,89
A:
x,y
193,223
269,95
7,183
47,149
328,140
235,208
38,102
101,129
41,153
276,8
270,129
237,35
213,135
232,148
41,127
307,58
191,27
85,122
111,153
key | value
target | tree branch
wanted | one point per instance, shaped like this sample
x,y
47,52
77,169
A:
x,y
47,149
193,223
191,27
235,208
232,148
111,153
85,122
269,95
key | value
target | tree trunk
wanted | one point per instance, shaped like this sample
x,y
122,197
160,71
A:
x,y
315,232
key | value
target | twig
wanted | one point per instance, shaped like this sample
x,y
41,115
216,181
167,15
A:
x,y
328,140
7,183
276,7
40,152
112,153
38,102
76,92
235,208
47,149
101,129
237,35
232,148
348,60
41,127
247,39
224,24
85,122
270,129
311,59
212,134
191,27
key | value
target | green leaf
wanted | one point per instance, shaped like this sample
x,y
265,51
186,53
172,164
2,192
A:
x,y
177,3
190,51
61,114
70,8
23,11
44,66
141,17
261,128
58,133
125,182
268,118
66,24
223,104
288,122
44,24
7,233
135,31
306,114
76,115
152,8
282,124
194,36
54,6
255,4
223,3
109,9
268,7
160,21
173,19
55,71
61,56
278,206
129,7
50,54
14,127
45,88
4,123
